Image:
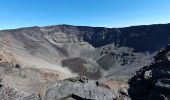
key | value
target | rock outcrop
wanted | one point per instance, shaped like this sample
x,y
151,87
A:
x,y
83,89
153,82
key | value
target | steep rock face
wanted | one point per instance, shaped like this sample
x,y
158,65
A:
x,y
152,82
135,36
148,35
100,36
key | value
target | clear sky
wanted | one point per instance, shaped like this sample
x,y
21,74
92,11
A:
x,y
108,13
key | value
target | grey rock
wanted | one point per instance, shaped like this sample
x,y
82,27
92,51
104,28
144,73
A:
x,y
148,74
67,90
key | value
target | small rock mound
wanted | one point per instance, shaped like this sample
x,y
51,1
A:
x,y
80,88
153,82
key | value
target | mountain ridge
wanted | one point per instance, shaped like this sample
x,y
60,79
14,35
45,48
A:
x,y
83,26
123,34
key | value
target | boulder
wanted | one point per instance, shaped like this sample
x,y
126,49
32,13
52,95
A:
x,y
78,89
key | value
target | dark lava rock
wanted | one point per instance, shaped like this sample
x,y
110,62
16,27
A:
x,y
152,82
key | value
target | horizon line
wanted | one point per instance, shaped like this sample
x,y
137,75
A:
x,y
41,26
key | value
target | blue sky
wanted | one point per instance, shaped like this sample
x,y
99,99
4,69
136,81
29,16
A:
x,y
107,13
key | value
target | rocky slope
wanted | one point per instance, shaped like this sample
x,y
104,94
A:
x,y
18,82
24,83
153,82
106,51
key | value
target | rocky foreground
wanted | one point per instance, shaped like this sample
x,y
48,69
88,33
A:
x,y
153,82
19,83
